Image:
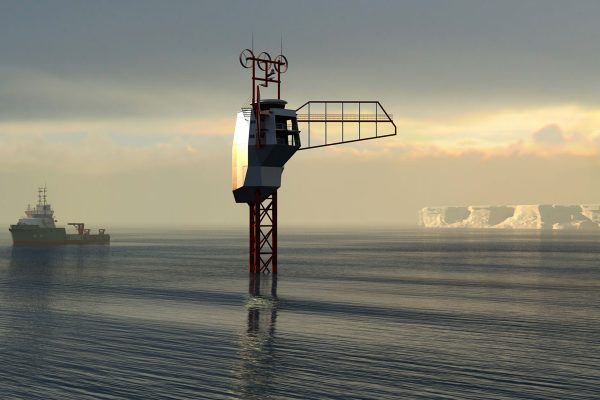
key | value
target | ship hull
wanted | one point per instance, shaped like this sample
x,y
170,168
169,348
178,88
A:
x,y
34,235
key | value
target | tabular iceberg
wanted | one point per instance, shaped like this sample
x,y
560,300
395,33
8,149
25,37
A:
x,y
538,216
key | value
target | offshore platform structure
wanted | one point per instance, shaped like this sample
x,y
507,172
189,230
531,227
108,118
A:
x,y
267,135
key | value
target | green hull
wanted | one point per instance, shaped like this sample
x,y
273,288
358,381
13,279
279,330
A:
x,y
33,234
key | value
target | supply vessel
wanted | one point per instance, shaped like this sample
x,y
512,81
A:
x,y
38,228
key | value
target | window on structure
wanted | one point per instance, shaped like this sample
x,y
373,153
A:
x,y
280,130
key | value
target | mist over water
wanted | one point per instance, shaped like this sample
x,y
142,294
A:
x,y
371,314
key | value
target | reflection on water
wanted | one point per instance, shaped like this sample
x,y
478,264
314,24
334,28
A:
x,y
35,277
28,258
257,355
29,285
30,275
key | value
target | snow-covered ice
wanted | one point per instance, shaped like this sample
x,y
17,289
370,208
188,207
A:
x,y
537,216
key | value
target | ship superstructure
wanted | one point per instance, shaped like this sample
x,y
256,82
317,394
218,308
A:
x,y
38,226
42,214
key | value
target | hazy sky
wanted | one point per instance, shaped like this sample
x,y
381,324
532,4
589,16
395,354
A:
x,y
126,109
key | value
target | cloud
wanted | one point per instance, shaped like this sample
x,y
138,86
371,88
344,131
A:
x,y
30,95
94,154
549,135
583,148
140,127
497,133
111,145
565,130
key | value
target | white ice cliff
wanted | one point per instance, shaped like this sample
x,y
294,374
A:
x,y
538,216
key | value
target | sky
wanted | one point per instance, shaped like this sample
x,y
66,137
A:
x,y
126,109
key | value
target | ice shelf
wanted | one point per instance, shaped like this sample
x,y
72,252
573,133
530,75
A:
x,y
537,216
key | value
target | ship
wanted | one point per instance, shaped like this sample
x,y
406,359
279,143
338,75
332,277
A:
x,y
38,227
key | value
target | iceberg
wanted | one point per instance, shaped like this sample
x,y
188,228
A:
x,y
537,216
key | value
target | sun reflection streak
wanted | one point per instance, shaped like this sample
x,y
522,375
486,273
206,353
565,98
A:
x,y
257,346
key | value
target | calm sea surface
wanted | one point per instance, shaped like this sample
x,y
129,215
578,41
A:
x,y
388,314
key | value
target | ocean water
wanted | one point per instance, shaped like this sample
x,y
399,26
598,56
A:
x,y
369,314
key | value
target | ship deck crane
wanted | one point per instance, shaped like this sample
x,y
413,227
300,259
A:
x,y
80,226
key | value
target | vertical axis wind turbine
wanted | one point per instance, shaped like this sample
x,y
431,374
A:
x,y
267,136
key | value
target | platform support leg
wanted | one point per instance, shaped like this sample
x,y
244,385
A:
x,y
263,235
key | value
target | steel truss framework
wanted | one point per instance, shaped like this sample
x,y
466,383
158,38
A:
x,y
263,235
375,116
